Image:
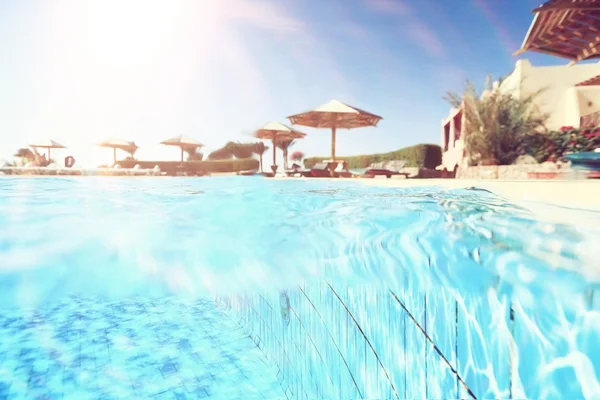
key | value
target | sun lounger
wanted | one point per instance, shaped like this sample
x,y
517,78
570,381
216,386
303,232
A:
x,y
60,170
248,172
341,172
387,169
395,165
320,170
297,171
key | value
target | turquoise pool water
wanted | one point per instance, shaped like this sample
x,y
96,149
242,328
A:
x,y
252,288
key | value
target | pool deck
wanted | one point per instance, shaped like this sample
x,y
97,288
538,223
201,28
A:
x,y
557,201
574,202
583,194
577,194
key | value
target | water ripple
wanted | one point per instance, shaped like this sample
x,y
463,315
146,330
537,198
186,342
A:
x,y
470,252
83,233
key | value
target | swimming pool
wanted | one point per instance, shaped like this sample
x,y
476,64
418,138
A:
x,y
253,288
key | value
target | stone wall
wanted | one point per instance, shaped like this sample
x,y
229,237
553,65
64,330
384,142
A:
x,y
506,171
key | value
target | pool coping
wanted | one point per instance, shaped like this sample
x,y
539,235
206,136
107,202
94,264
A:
x,y
580,195
558,201
583,194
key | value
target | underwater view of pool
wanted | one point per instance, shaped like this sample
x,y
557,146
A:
x,y
248,288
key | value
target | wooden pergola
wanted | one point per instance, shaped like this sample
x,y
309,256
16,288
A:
x,y
565,28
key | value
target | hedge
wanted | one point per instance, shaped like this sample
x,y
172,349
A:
x,y
420,155
195,167
237,150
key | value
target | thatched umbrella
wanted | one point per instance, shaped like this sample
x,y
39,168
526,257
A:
x,y
334,115
276,131
565,28
115,144
184,143
47,144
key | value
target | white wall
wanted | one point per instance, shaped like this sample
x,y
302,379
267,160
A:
x,y
558,97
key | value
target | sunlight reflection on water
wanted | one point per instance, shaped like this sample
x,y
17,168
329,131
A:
x,y
457,291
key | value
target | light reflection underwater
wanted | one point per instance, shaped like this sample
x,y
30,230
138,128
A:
x,y
389,292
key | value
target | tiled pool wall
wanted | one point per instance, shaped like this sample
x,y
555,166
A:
x,y
342,343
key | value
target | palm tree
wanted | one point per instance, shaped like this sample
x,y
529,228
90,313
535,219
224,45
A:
x,y
131,152
32,156
194,154
284,145
496,123
221,154
26,154
240,150
260,149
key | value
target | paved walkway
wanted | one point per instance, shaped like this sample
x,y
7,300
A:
x,y
166,349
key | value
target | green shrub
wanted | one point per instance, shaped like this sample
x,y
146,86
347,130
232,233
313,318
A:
x,y
195,154
240,150
221,154
236,165
237,150
420,155
195,167
538,145
495,122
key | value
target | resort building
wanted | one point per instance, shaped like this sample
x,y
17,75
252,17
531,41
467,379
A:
x,y
570,95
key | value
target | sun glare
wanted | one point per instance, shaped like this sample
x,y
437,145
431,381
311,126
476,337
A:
x,y
128,64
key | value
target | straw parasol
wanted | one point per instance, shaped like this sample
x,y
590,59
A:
x,y
277,131
334,115
47,144
183,142
115,144
565,28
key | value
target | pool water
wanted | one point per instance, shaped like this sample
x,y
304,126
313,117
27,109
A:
x,y
162,349
248,288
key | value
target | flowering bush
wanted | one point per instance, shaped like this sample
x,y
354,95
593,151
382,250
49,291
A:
x,y
570,140
553,146
297,156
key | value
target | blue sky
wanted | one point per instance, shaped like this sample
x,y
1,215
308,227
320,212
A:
x,y
79,71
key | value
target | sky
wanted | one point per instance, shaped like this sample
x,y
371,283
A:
x,y
80,71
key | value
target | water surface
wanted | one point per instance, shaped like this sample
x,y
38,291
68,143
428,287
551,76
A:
x,y
75,242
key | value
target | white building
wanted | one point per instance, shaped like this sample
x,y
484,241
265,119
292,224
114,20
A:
x,y
570,96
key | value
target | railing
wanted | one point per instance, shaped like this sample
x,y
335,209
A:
x,y
373,344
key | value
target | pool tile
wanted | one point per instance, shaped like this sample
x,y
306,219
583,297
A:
x,y
178,393
167,349
199,391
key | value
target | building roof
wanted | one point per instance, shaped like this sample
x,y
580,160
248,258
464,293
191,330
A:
x,y
593,81
565,28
